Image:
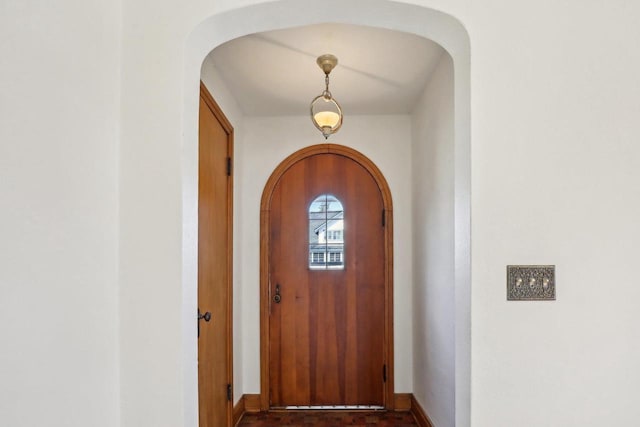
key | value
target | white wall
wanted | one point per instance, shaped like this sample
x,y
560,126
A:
x,y
556,173
268,141
59,96
554,157
433,247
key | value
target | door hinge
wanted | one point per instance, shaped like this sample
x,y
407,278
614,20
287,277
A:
x,y
229,396
384,373
384,218
228,166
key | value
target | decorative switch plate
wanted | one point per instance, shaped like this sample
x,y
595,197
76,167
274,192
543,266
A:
x,y
531,282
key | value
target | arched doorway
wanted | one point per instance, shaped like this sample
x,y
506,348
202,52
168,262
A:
x,y
437,26
357,350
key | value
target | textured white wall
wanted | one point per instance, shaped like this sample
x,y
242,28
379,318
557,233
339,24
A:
x,y
59,102
386,140
555,167
433,247
556,173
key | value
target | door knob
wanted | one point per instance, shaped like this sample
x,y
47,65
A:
x,y
206,317
277,298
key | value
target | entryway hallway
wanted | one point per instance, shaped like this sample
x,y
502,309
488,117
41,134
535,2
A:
x,y
328,419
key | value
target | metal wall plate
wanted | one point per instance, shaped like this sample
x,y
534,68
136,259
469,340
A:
x,y
531,282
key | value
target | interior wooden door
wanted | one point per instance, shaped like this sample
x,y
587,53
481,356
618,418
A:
x,y
327,325
214,264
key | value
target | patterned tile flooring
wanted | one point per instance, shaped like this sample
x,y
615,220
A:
x,y
328,419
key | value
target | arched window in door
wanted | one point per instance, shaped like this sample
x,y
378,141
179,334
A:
x,y
326,233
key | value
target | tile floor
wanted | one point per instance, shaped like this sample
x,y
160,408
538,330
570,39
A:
x,y
328,419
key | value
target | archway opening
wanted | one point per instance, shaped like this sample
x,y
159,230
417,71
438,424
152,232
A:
x,y
423,22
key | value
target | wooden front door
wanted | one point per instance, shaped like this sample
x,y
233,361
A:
x,y
214,264
327,285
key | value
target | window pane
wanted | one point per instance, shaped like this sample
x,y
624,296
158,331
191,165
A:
x,y
326,233
318,205
333,204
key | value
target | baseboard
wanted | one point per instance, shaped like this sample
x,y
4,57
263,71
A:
x,y
252,403
248,403
238,411
419,414
402,401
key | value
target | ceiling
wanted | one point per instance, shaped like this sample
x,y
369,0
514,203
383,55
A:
x,y
275,73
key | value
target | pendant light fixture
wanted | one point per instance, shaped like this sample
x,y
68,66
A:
x,y
326,113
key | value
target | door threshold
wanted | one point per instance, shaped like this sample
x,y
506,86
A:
x,y
332,408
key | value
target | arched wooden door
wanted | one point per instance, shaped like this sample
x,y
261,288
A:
x,y
327,297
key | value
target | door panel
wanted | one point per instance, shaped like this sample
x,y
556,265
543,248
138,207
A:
x,y
327,333
214,265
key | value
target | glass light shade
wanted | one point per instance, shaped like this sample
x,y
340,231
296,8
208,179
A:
x,y
326,118
326,114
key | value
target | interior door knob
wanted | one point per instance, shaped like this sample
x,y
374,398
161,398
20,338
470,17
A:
x,y
206,317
